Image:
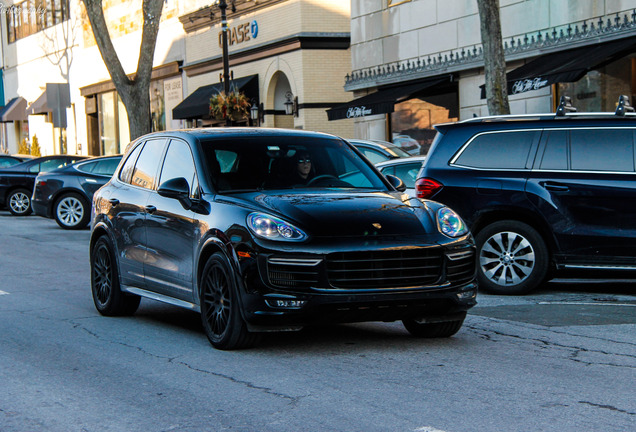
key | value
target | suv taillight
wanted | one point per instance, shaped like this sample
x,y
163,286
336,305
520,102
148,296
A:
x,y
427,188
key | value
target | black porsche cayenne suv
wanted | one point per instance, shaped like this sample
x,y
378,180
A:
x,y
270,229
542,194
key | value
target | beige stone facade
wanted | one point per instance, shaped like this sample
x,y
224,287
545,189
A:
x,y
301,47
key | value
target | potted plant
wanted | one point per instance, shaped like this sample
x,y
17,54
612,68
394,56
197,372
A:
x,y
235,106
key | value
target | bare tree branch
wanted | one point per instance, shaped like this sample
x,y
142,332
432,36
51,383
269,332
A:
x,y
134,92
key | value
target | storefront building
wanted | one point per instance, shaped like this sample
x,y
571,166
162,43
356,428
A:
x,y
416,63
57,90
282,54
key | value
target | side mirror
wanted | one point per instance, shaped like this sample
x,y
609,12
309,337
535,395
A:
x,y
396,182
176,188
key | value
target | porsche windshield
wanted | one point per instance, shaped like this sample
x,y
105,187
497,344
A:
x,y
285,162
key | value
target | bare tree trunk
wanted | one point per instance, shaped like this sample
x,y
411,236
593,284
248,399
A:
x,y
135,92
494,60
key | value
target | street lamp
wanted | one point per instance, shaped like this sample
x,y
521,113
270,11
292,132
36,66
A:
x,y
256,112
291,104
226,61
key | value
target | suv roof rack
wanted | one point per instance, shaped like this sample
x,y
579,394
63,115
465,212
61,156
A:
x,y
565,109
623,106
565,106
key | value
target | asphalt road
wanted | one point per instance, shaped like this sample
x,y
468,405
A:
x,y
562,359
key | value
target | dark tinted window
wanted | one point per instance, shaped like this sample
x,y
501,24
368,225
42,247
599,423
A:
x,y
254,163
87,167
602,150
178,163
406,172
50,165
374,156
7,162
129,166
148,164
504,150
555,154
107,166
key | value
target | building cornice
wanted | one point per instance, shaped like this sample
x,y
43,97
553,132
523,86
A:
x,y
582,33
210,16
306,41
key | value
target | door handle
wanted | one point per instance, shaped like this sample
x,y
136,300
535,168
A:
x,y
151,208
90,180
113,201
556,187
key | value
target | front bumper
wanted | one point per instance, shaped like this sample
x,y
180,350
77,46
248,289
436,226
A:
x,y
280,310
381,284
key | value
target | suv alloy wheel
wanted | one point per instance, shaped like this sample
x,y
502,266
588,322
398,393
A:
x,y
513,257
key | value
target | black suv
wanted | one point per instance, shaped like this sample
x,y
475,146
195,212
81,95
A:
x,y
540,192
267,229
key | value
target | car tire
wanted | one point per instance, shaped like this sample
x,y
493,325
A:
x,y
71,211
107,295
512,258
433,329
220,311
19,202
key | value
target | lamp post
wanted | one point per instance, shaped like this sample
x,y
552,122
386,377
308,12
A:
x,y
226,60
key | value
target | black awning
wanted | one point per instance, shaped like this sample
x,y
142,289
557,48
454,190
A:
x,y
565,66
14,110
197,104
383,101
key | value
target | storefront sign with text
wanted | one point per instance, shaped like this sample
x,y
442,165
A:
x,y
358,112
240,33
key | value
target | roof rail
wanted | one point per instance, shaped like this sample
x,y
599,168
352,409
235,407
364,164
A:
x,y
565,106
623,106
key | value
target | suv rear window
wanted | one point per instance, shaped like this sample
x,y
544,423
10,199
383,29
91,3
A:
x,y
503,150
602,150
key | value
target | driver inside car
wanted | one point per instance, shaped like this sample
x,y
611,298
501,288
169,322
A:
x,y
303,170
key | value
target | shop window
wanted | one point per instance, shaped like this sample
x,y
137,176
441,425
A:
x,y
31,16
157,106
412,120
598,90
113,124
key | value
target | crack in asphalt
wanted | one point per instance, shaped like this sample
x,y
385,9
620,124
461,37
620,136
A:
x,y
609,407
293,400
267,390
486,334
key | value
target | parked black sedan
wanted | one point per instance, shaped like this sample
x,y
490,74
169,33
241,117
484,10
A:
x,y
16,182
65,194
257,230
10,160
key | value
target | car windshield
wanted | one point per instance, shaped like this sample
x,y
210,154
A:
x,y
286,162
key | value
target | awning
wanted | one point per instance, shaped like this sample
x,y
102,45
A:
x,y
383,101
197,104
39,106
14,110
565,66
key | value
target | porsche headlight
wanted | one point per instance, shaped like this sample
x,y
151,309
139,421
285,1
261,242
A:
x,y
449,223
273,228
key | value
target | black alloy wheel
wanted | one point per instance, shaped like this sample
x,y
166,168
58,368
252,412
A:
x,y
19,202
220,312
513,258
107,295
433,330
71,212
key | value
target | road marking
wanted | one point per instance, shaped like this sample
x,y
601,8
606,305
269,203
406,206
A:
x,y
3,293
427,429
588,304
